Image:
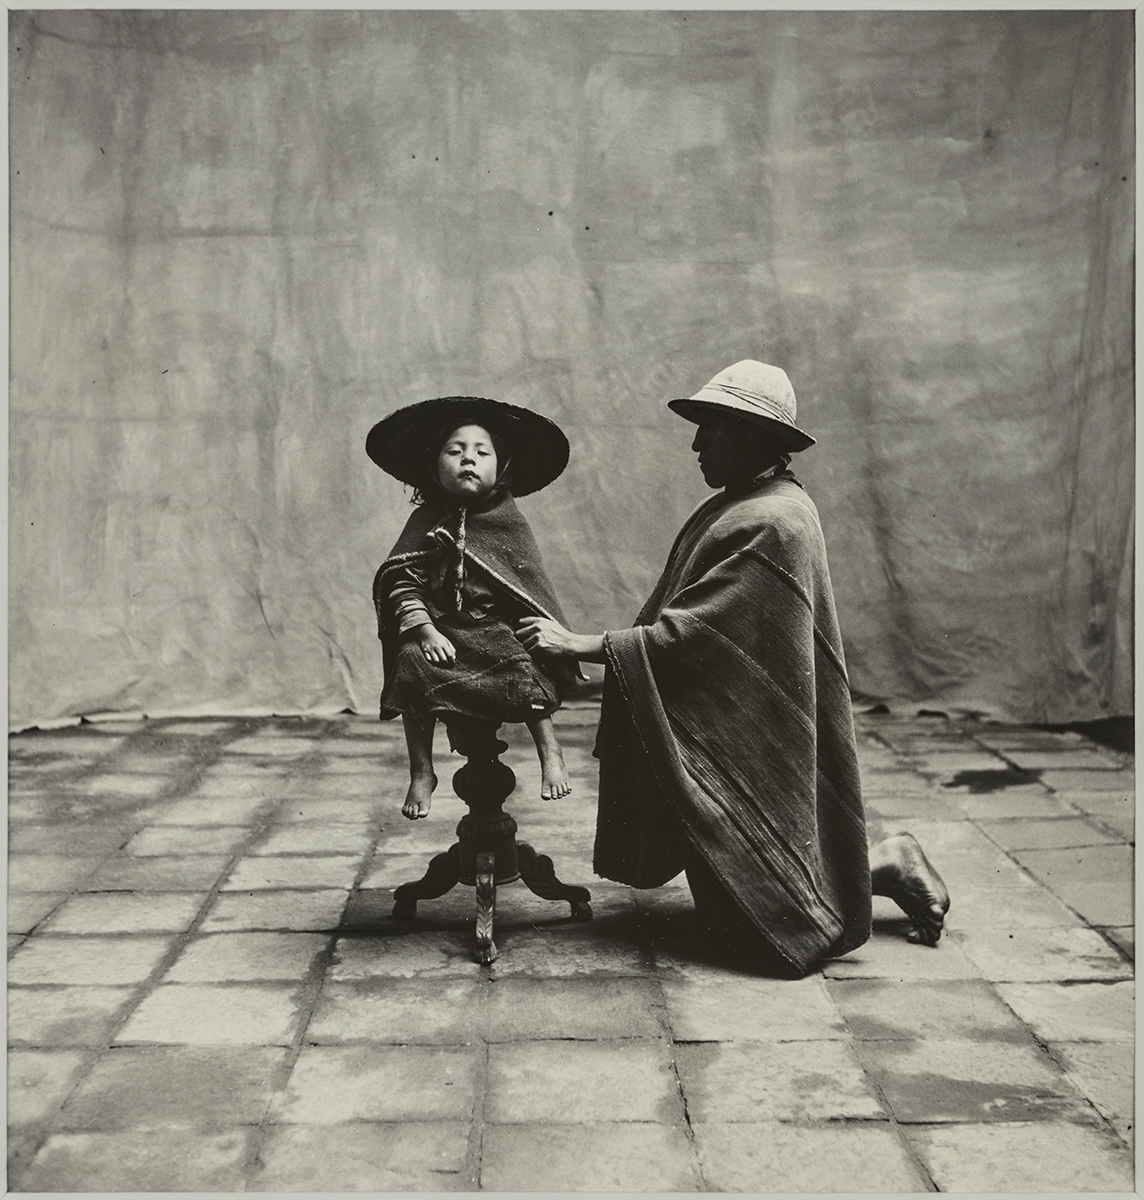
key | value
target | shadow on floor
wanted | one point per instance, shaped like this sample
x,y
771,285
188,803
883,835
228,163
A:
x,y
1117,733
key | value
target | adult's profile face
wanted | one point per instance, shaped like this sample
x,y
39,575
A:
x,y
732,450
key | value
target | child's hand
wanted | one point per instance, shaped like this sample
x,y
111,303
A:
x,y
435,645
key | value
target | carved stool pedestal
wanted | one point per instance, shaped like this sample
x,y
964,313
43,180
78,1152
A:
x,y
486,852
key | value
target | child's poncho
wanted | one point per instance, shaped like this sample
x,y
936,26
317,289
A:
x,y
492,552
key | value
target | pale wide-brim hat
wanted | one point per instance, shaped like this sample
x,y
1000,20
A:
x,y
403,444
755,391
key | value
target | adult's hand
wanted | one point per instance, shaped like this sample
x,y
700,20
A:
x,y
549,639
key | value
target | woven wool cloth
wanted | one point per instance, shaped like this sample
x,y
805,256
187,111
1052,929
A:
x,y
492,546
726,728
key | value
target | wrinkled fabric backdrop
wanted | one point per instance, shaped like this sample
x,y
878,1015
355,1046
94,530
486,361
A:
x,y
240,238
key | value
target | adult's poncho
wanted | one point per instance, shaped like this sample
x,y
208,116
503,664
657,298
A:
x,y
726,728
493,553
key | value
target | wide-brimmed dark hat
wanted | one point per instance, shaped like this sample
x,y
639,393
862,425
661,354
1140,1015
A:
x,y
755,391
402,444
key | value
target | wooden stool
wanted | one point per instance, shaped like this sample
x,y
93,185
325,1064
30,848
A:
x,y
486,852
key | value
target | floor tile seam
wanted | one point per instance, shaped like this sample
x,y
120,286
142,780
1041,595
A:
x,y
547,1122
310,987
198,767
111,935
1077,814
388,1122
1126,1138
71,774
367,859
540,975
1104,825
1081,745
611,1039
1044,1045
291,766
367,1121
153,980
1044,768
991,1039
354,890
1129,960
650,962
1104,931
1030,874
475,1144
49,936
470,1039
211,932
993,985
246,726
172,1124
475,1040
1005,754
238,981
1070,1121
76,886
1052,1049
974,750
65,897
144,1043
1064,793
911,770
1071,983
1125,764
913,1157
1124,976
276,854
44,1127
879,736
807,1120
1047,818
303,855
260,827
892,975
1119,840
186,782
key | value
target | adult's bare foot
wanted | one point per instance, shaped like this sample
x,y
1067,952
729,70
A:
x,y
900,870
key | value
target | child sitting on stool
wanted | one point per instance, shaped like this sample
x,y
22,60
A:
x,y
465,569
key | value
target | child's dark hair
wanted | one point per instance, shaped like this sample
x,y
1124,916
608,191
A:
x,y
429,488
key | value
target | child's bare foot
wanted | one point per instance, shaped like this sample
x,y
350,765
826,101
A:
x,y
419,798
554,781
899,869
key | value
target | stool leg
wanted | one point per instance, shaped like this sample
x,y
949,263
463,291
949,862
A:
x,y
486,906
486,849
539,876
441,874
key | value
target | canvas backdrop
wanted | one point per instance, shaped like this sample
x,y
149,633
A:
x,y
240,238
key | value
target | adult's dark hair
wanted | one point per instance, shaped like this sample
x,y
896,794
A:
x,y
769,448
760,447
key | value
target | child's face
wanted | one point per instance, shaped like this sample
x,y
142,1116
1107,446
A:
x,y
467,464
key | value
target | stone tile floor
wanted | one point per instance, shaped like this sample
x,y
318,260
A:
x,y
207,992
